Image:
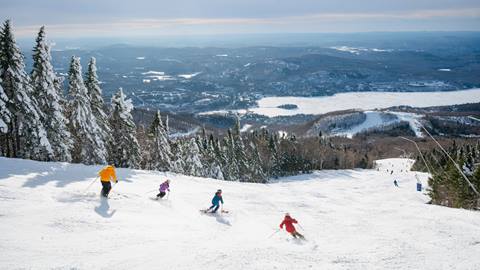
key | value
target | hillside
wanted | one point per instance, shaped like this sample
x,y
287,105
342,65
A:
x,y
353,219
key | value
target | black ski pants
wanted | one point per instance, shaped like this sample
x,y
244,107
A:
x,y
214,207
106,187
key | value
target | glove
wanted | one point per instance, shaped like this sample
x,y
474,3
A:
x,y
168,190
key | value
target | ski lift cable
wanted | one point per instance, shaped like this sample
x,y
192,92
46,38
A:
x,y
452,160
421,154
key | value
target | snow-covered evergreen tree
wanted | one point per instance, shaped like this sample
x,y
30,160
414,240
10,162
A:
x,y
221,158
89,147
211,165
49,97
125,151
255,165
160,152
240,155
214,169
469,164
5,115
178,164
275,162
230,168
96,102
191,156
26,136
167,127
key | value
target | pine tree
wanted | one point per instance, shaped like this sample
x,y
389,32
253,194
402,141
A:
x,y
96,102
255,164
212,166
160,151
5,115
221,158
89,147
469,165
275,162
240,155
178,163
125,149
143,141
167,127
49,97
230,169
476,182
26,136
191,156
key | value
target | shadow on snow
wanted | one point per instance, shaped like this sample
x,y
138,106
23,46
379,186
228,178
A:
x,y
104,209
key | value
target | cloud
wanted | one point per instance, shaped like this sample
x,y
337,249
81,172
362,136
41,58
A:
x,y
224,25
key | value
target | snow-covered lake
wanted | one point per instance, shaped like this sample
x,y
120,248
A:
x,y
269,106
363,100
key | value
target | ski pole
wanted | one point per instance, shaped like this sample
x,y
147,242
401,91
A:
x,y
300,226
168,195
274,233
150,191
91,183
111,189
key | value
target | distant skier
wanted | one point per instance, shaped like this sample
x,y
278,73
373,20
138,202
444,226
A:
x,y
107,175
419,183
395,182
215,202
288,222
164,187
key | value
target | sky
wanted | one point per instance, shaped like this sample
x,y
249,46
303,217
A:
x,y
117,18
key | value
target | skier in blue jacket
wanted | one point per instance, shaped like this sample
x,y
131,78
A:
x,y
215,202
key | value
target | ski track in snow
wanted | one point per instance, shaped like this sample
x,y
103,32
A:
x,y
353,219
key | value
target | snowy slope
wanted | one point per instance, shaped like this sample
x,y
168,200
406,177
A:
x,y
353,219
374,120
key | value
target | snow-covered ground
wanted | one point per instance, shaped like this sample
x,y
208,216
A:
x,y
189,76
355,50
269,106
157,76
245,128
353,219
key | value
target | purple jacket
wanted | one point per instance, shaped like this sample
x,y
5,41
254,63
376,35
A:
x,y
164,186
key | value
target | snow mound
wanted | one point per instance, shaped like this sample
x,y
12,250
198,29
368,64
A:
x,y
353,219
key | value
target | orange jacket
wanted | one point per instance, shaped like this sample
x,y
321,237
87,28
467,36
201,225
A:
x,y
107,174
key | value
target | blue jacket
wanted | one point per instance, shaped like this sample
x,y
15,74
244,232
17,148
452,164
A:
x,y
217,199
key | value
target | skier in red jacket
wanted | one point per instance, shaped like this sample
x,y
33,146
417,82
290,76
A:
x,y
288,222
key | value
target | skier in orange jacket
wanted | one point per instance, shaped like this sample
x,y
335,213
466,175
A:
x,y
107,175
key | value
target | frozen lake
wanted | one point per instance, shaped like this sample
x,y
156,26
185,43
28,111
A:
x,y
269,106
363,100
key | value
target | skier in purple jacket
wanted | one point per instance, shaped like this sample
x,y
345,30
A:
x,y
164,187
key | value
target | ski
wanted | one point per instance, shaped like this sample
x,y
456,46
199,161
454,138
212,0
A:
x,y
206,211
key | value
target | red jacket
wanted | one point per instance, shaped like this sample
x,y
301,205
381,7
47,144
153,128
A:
x,y
288,222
